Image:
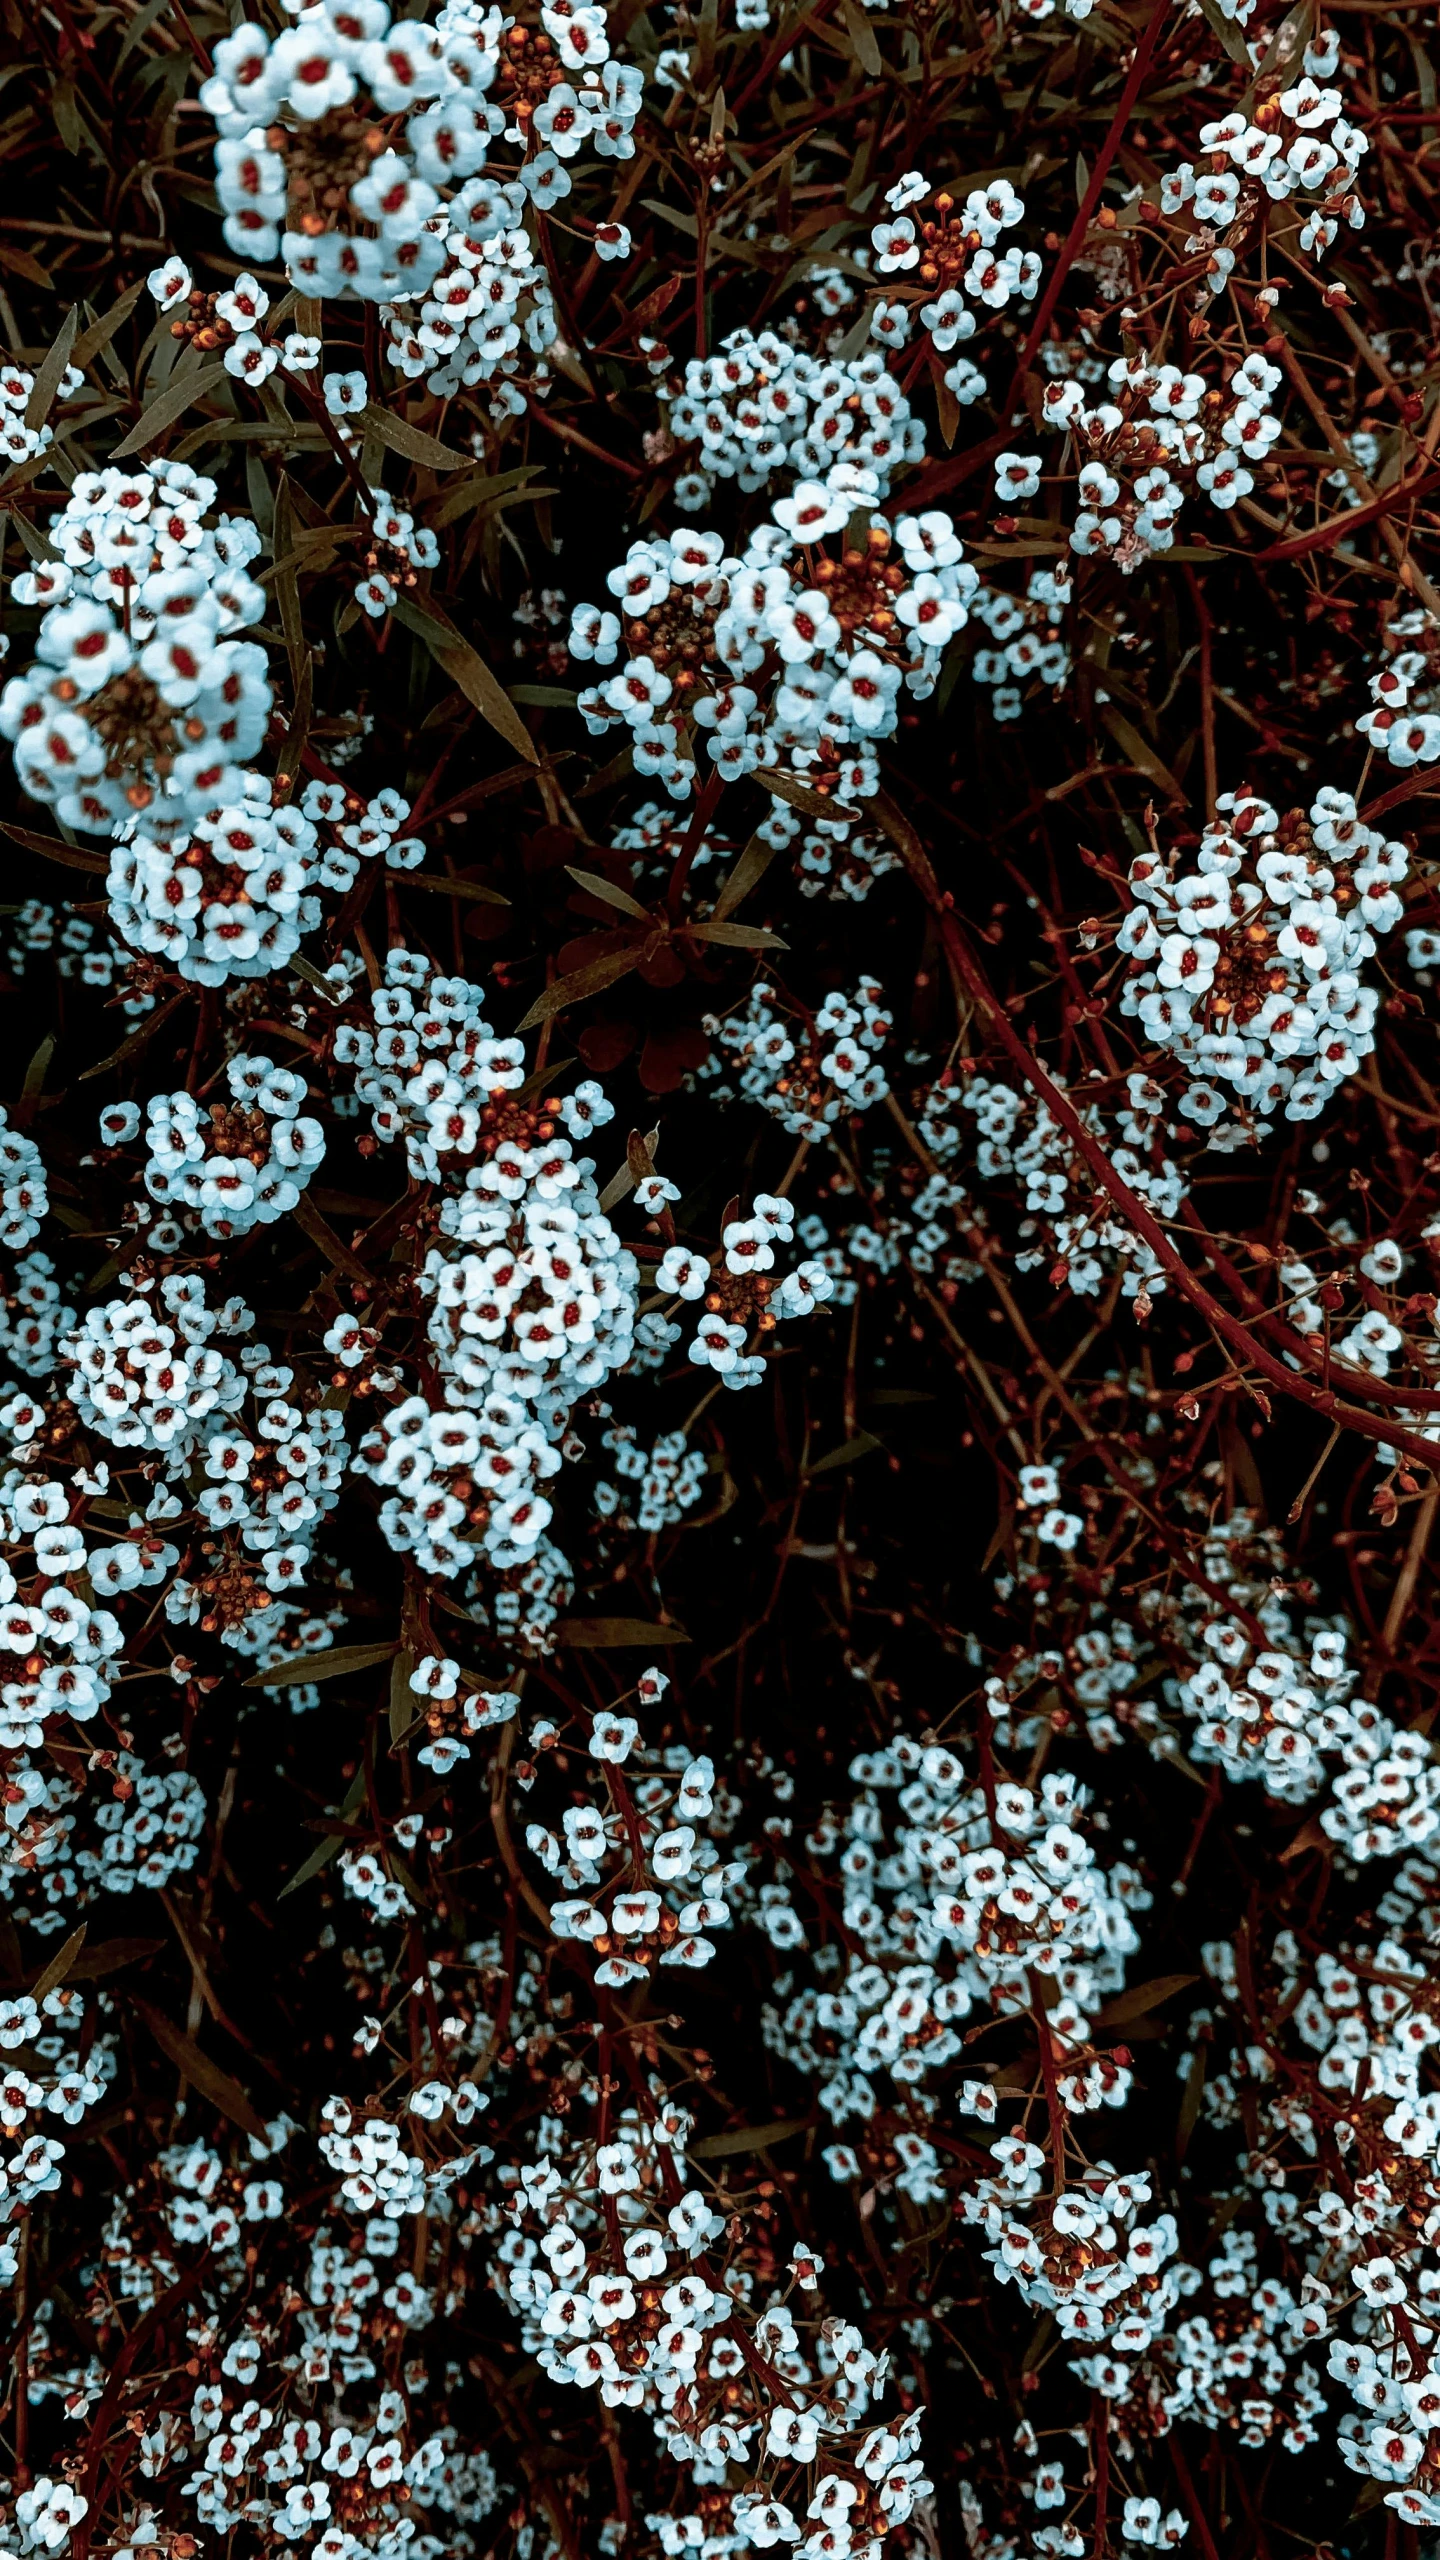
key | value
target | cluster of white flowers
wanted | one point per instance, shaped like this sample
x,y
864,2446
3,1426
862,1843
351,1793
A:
x,y
952,1901
231,897
1404,730
490,308
1157,421
941,264
429,1066
148,1380
742,1292
1265,1711
668,1477
37,927
356,149
152,1380
341,2454
19,440
795,661
1025,629
60,1853
1083,2255
834,857
397,549
1070,1229
661,1876
1244,959
1354,2211
813,1074
51,1581
378,2175
605,2237
33,1315
760,406
142,704
236,1166
531,1297
45,2088
24,1193
264,1499
1299,142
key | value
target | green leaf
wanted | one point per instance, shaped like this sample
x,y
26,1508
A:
x,y
470,673
287,585
59,1964
744,937
1283,52
862,37
174,400
544,697
66,114
447,888
745,2137
411,442
749,871
32,539
204,2075
403,1711
322,1666
1190,2101
315,978
846,1454
788,786
1139,753
54,850
1227,31
617,1631
292,750
685,222
1144,1995
486,488
95,1963
36,1071
579,983
606,889
310,1223
333,1842
20,263
37,407
137,1040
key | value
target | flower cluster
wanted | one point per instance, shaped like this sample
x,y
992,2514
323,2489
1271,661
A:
x,y
1298,142
761,407
808,1074
1069,1229
1402,727
356,148
232,896
469,2093
528,1296
943,262
612,2265
142,704
1243,963
743,1292
668,1480
1158,422
828,638
950,1903
24,1195
240,1164
643,1882
46,2090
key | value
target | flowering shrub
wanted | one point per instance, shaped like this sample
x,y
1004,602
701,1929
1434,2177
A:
x,y
719,1282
